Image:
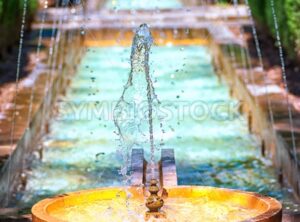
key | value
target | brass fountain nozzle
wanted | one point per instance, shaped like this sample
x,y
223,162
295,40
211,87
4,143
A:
x,y
154,202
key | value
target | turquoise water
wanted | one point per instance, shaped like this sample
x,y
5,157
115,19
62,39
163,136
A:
x,y
142,4
212,149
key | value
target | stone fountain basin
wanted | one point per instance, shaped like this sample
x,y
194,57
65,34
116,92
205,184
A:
x,y
267,209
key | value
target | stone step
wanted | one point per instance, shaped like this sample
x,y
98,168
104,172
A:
x,y
11,215
291,217
168,168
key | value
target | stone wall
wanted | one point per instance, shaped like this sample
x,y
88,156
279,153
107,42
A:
x,y
69,54
274,134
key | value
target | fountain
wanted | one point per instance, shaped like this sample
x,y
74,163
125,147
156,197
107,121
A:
x,y
164,199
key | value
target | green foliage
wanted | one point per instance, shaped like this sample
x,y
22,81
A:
x,y
33,7
1,7
10,16
257,8
282,19
292,8
288,17
11,12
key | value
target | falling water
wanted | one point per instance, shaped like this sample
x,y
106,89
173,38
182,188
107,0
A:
x,y
261,64
50,74
38,50
13,123
133,116
242,39
284,78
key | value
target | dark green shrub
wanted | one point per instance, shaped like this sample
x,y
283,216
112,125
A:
x,y
1,7
288,17
292,8
258,9
282,20
11,12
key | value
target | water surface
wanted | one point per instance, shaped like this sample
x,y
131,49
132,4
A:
x,y
212,146
142,4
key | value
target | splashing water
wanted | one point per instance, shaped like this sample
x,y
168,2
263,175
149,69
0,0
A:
x,y
133,115
284,79
190,210
14,115
222,155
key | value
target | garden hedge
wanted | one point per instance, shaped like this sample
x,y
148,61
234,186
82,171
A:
x,y
288,16
10,20
292,8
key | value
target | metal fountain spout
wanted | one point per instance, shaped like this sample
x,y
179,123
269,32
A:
x,y
154,202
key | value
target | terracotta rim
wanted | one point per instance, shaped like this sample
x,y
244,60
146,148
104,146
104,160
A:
x,y
273,211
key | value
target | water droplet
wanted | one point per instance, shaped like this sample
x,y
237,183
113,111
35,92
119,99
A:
x,y
175,32
88,169
99,155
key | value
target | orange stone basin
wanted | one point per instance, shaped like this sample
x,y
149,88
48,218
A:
x,y
184,203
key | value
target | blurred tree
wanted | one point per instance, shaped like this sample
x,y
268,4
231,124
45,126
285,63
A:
x,y
258,9
11,12
288,17
292,10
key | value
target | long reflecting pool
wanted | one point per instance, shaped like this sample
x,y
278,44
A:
x,y
210,138
142,4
